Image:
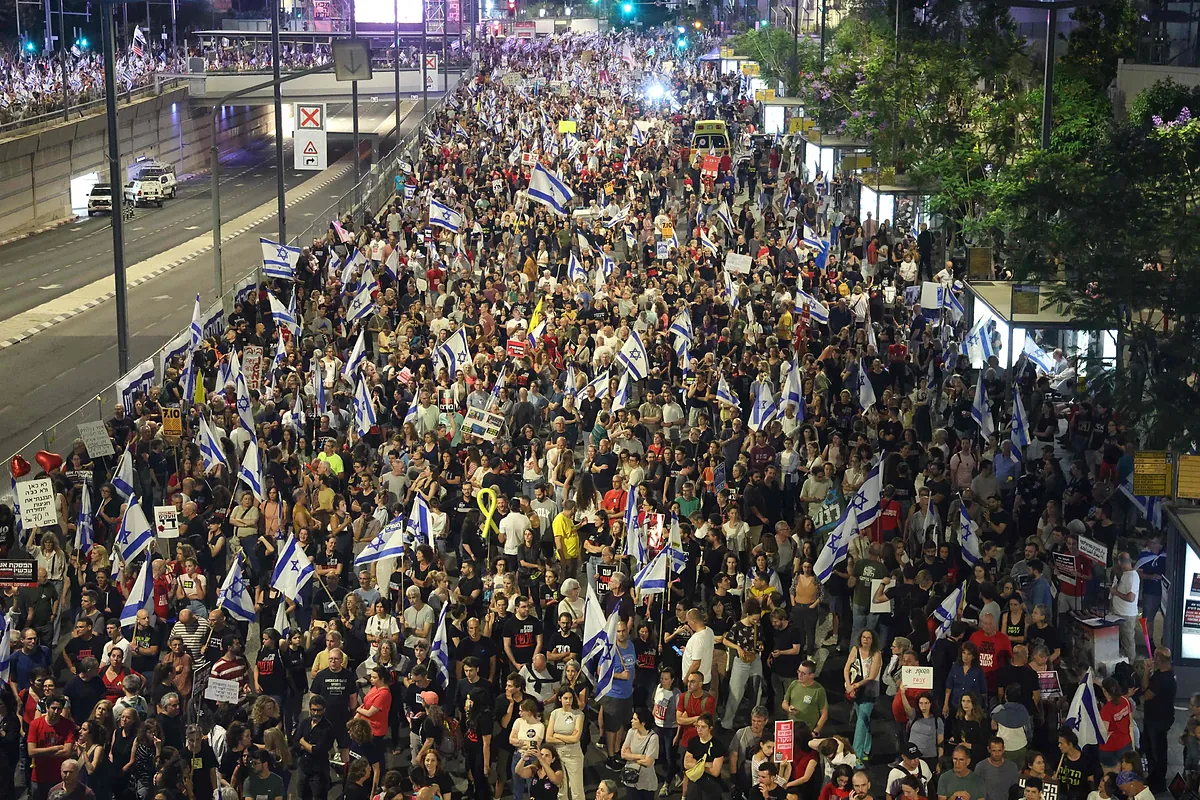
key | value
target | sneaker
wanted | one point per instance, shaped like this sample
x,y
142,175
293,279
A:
x,y
613,763
662,790
678,782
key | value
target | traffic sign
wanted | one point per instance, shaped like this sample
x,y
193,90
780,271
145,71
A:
x,y
352,60
431,61
310,116
1151,473
309,150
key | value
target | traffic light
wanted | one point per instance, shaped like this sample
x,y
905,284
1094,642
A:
x,y
512,8
627,8
682,43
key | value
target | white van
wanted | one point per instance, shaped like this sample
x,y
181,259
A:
x,y
163,174
143,193
100,199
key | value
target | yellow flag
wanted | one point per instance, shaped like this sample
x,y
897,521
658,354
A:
x,y
537,314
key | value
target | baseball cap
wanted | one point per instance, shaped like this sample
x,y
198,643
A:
x,y
428,698
912,751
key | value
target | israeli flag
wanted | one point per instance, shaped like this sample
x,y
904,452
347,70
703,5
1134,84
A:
x,y
594,635
575,270
621,399
978,343
459,130
411,414
282,316
135,534
439,652
535,335
364,408
549,190
633,355
866,499
211,452
866,392
953,303
1043,360
228,372
123,478
607,265
968,536
630,239
456,351
140,596
948,611
707,243
392,263
1020,423
793,391
245,415
420,521
569,389
1151,508
280,352
292,571
836,546
764,409
362,305
639,136
811,239
234,595
350,269
85,531
723,214
444,216
652,578
358,354
243,292
725,394
5,649
388,543
197,327
251,471
279,260
618,218
684,355
281,619
610,658
494,400
681,326
214,320
1083,716
981,409
319,387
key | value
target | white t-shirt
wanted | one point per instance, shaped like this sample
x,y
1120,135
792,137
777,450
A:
x,y
1129,582
700,648
513,526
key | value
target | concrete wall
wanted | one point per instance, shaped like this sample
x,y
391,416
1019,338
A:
x,y
1133,78
313,87
36,170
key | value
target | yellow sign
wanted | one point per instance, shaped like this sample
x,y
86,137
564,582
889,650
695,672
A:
x,y
726,52
770,95
1151,473
566,126
1189,478
172,422
760,95
668,231
750,69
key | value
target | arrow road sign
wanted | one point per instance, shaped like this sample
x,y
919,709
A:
x,y
352,60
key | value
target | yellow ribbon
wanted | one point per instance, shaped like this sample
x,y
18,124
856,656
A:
x,y
488,508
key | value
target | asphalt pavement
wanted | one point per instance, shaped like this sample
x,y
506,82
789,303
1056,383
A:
x,y
63,367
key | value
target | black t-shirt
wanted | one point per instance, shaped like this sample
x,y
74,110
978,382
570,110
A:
x,y
1048,636
604,478
484,650
145,637
465,587
482,700
557,642
79,648
271,676
201,763
1078,777
336,688
524,634
712,750
1026,677
784,640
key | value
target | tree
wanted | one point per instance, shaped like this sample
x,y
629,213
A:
x,y
772,49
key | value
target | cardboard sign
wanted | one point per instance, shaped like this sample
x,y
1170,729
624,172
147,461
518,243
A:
x,y
931,297
172,419
1093,550
1064,567
1049,685
709,165
917,677
222,691
95,439
567,126
783,741
166,522
37,503
738,262
528,159
252,365
879,608
516,348
662,251
484,424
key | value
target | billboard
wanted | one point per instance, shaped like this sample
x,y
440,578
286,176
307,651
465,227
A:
x,y
382,12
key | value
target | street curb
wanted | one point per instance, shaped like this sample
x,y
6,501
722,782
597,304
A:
x,y
43,229
164,269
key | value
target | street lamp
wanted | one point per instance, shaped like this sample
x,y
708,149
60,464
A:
x,y
1052,7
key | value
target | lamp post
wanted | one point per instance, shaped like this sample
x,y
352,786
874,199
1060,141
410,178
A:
x,y
281,209
116,184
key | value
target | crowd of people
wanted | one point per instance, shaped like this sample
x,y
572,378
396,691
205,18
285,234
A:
x,y
534,495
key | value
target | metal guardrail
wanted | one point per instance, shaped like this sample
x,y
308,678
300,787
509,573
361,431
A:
x,y
76,112
374,190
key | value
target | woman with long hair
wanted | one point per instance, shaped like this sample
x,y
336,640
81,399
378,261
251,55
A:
x,y
264,715
965,676
640,751
970,727
925,728
564,731
147,750
861,675
541,770
430,772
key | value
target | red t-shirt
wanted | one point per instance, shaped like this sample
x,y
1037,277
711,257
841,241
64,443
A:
x,y
379,697
162,594
898,712
994,653
1118,714
46,768
693,707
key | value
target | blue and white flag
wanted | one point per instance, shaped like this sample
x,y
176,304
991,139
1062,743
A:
x,y
639,136
439,651
817,311
362,305
281,620
196,329
135,533
866,499
388,543
548,189
836,546
953,303
358,355
978,344
866,391
610,658
595,637
420,520
214,320
140,596
1083,716
535,335
279,260
681,326
607,264
280,353
122,479
570,382
292,571
1020,423
282,316
1151,508
630,239
228,371
319,387
251,472
411,414
1043,360
731,290
211,452
707,243
455,352
621,398
600,384
364,408
726,218
811,239
684,354
725,394
793,391
392,263
764,408
575,270
634,357
5,649
652,578
245,414
235,597
85,530
494,399
981,409
968,536
635,545
948,611
444,216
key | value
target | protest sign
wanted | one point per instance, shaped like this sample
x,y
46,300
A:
x,y
917,677
484,424
222,691
783,741
166,522
95,439
37,503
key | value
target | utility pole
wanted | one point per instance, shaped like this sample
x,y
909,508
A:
x,y
276,57
354,111
116,184
424,48
396,63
